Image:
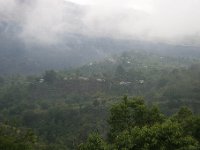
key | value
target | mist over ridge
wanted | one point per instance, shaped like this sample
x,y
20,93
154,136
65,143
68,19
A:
x,y
49,21
57,34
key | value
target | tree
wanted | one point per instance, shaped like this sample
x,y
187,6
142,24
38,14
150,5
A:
x,y
12,138
50,76
166,136
134,126
131,113
189,122
183,114
94,142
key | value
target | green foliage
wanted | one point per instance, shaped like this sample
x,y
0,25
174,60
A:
x,y
94,142
134,126
12,138
157,137
62,108
183,114
189,122
130,113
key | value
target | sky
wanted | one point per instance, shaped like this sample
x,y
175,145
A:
x,y
48,21
170,20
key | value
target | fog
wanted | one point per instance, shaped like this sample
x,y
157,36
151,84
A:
x,y
169,21
49,21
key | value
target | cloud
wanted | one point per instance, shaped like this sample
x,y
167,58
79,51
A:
x,y
42,21
49,21
171,20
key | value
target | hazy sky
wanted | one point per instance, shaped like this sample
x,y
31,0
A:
x,y
49,21
172,20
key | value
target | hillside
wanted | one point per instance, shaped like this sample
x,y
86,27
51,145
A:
x,y
63,107
74,50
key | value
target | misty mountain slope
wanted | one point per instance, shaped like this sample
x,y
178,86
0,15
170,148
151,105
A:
x,y
33,40
16,57
75,50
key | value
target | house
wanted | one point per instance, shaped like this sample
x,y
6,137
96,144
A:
x,y
65,78
145,66
83,78
100,80
41,80
141,81
124,83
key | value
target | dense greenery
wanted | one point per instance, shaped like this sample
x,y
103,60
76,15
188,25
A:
x,y
134,126
62,108
12,138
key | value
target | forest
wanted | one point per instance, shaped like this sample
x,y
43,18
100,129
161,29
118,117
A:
x,y
136,100
99,75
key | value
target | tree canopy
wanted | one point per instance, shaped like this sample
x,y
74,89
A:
x,y
135,126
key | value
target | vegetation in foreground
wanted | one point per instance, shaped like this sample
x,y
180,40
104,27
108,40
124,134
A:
x,y
62,108
134,126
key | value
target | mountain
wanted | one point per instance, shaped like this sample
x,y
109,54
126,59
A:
x,y
22,51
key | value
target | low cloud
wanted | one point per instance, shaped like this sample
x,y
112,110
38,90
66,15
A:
x,y
156,20
49,21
